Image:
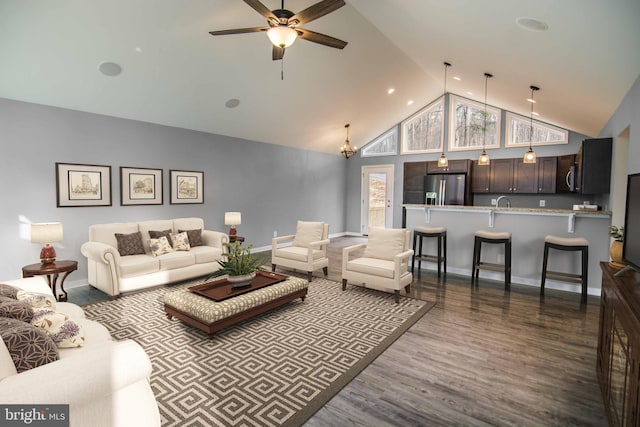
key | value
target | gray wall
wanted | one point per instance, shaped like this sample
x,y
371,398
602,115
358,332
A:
x,y
273,186
356,163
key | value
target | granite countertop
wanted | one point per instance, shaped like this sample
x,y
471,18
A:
x,y
533,211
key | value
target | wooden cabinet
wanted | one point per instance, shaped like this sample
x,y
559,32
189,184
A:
x,y
547,170
593,163
455,166
480,178
501,176
563,173
618,355
513,176
413,179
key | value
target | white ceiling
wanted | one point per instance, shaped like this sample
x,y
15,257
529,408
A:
x,y
181,76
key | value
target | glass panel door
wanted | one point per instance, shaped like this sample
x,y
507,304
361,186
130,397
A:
x,y
377,197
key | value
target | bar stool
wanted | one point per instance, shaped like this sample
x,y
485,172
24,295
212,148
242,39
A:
x,y
566,244
421,232
491,237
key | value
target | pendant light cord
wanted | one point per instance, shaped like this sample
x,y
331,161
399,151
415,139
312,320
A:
x,y
487,76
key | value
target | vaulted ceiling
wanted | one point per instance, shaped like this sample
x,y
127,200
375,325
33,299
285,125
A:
x,y
175,73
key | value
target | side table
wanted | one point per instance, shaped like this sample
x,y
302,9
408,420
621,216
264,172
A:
x,y
236,238
52,271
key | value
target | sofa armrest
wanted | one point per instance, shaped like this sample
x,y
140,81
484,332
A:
x,y
276,240
345,254
214,238
100,252
399,258
83,377
319,243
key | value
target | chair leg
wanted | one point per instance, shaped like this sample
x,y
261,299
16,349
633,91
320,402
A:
x,y
420,255
445,253
413,257
344,284
545,258
309,276
407,288
325,270
474,262
585,274
507,266
439,252
273,267
397,294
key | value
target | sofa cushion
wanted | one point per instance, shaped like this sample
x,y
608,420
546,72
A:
x,y
180,241
160,246
158,234
62,330
374,266
385,243
28,346
136,265
176,260
130,244
195,237
146,227
298,253
37,300
15,309
94,334
206,254
8,291
308,232
7,367
105,233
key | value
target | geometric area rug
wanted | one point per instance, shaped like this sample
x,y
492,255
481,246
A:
x,y
276,369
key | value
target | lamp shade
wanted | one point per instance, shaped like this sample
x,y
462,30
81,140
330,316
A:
x,y
232,218
46,232
282,36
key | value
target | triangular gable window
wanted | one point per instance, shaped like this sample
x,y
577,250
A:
x,y
384,145
518,131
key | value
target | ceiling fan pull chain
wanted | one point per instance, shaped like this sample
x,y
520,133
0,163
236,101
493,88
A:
x,y
282,68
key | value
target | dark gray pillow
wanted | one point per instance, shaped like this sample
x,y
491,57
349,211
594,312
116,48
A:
x,y
159,234
130,244
15,309
28,345
195,237
8,291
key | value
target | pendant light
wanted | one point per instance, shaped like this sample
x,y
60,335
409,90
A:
x,y
346,149
443,162
530,156
484,160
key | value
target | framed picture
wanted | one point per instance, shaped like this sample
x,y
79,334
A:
x,y
83,185
186,187
518,130
140,186
467,125
424,131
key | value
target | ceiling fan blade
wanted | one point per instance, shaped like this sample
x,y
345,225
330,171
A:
x,y
277,53
316,11
238,31
261,9
323,39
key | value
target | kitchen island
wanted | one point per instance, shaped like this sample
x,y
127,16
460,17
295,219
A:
x,y
528,227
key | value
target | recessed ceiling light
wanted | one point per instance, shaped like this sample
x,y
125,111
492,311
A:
x,y
535,114
532,24
232,103
110,69
456,78
138,49
409,102
391,90
469,93
533,101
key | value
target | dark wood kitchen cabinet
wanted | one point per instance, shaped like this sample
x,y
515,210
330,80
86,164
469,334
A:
x,y
454,166
413,180
513,176
501,179
618,357
563,174
547,169
480,178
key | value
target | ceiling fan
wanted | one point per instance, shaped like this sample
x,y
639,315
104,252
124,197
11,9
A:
x,y
284,28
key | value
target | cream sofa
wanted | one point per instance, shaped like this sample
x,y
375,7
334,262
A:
x,y
104,382
113,274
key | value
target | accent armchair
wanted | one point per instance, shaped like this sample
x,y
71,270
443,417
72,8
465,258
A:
x,y
385,263
307,250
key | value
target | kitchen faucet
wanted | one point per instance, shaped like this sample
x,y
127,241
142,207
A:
x,y
500,198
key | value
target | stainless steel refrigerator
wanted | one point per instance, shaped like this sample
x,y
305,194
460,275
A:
x,y
445,189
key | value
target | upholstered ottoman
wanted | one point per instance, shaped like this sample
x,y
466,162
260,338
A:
x,y
211,316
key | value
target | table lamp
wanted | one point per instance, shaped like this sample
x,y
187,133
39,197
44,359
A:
x,y
47,233
232,219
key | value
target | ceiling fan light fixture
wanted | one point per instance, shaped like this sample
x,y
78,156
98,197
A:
x,y
282,36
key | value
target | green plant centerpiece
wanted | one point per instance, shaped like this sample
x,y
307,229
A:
x,y
615,252
239,264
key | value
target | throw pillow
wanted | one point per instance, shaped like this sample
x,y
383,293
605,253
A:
x,y
308,232
8,291
180,242
15,309
130,244
159,234
160,246
64,332
28,346
385,243
36,300
195,237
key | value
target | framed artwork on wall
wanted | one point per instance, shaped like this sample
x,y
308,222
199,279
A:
x,y
186,187
424,131
83,185
140,186
467,125
518,130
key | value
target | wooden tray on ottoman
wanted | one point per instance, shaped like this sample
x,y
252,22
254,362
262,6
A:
x,y
210,316
221,289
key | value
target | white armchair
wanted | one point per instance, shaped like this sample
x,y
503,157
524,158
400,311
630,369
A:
x,y
385,263
307,250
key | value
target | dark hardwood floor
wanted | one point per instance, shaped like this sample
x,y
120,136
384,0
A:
x,y
480,357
